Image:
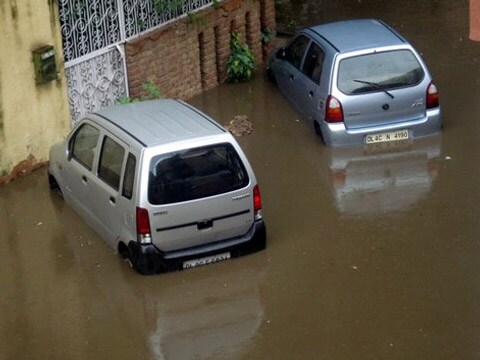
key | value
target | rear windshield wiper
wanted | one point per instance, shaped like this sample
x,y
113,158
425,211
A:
x,y
375,85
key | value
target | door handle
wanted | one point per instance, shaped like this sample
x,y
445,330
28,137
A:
x,y
310,94
291,77
84,179
112,200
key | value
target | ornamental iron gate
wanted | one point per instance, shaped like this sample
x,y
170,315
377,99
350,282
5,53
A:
x,y
93,35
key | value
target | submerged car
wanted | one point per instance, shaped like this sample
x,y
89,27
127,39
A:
x,y
359,82
162,183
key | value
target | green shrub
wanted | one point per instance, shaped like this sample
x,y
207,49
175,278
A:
x,y
151,90
241,62
266,35
197,19
284,15
167,6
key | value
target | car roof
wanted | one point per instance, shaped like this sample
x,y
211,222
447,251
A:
x,y
352,35
161,121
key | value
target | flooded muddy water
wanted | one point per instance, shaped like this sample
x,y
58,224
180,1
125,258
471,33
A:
x,y
373,253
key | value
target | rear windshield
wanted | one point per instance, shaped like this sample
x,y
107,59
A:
x,y
195,173
379,71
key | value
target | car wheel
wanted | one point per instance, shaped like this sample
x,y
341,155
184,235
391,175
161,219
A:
x,y
138,263
271,75
141,266
125,254
318,130
52,182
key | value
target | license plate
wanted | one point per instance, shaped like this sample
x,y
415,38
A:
x,y
387,136
206,260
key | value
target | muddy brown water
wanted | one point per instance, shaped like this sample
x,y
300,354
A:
x,y
372,253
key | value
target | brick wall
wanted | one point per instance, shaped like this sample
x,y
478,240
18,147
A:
x,y
190,55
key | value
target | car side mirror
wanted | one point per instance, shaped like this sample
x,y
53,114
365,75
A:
x,y
280,53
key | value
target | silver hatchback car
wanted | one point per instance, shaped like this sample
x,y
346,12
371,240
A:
x,y
358,81
162,183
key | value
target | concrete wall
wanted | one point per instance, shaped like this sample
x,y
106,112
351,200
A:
x,y
187,57
32,116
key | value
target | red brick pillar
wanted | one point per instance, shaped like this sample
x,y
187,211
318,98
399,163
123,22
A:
x,y
239,26
253,33
222,40
475,20
208,59
267,20
267,14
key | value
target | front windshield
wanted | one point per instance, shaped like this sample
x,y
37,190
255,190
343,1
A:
x,y
379,71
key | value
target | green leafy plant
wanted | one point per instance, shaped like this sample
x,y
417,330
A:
x,y
126,100
139,22
241,62
151,90
80,6
266,35
163,6
197,19
284,15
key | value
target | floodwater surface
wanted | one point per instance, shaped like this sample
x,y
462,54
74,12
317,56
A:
x,y
373,253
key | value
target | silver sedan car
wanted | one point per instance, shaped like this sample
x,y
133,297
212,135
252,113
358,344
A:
x,y
359,82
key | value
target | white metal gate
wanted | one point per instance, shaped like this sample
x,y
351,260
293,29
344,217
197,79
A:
x,y
94,33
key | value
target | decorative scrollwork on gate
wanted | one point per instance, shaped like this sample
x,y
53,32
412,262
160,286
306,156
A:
x,y
88,26
96,83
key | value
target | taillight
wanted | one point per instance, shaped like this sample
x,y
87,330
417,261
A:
x,y
433,100
333,111
143,226
257,203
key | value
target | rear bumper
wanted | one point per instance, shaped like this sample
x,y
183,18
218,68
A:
x,y
336,134
148,259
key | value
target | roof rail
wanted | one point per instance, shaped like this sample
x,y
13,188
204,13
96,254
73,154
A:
x,y
324,39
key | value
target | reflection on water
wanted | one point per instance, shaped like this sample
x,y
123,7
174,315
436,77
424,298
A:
x,y
384,177
215,315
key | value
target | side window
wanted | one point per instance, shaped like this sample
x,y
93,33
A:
x,y
295,51
312,66
111,160
83,143
129,177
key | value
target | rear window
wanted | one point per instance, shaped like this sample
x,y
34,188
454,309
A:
x,y
379,71
195,173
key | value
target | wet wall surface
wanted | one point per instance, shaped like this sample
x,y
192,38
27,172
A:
x,y
373,253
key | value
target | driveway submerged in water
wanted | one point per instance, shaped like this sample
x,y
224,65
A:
x,y
372,253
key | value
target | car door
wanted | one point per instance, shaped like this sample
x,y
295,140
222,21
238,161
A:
x,y
308,81
78,172
105,193
126,204
199,196
289,72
